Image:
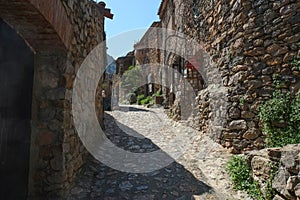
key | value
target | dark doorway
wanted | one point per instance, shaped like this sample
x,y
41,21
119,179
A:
x,y
16,81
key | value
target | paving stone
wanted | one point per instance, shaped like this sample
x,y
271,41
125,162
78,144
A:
x,y
198,171
126,185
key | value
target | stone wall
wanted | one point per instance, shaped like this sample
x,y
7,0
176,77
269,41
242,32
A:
x,y
148,52
61,33
147,49
46,160
250,42
285,165
88,24
178,52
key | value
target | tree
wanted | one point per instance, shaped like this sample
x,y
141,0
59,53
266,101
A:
x,y
132,79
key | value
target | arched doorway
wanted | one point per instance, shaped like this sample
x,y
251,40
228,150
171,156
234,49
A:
x,y
49,29
16,82
47,34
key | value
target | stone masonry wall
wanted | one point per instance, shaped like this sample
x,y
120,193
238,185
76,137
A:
x,y
284,162
147,52
88,22
251,42
61,33
46,166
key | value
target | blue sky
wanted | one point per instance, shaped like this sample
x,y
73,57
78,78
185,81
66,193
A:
x,y
131,20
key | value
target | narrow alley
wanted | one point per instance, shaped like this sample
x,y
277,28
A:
x,y
156,100
139,129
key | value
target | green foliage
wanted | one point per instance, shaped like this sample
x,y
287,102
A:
x,y
280,117
277,82
147,100
295,113
255,192
269,192
132,79
240,175
242,100
296,63
158,93
140,98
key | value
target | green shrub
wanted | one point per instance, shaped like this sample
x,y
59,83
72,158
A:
x,y
239,173
269,192
241,178
280,117
150,100
147,100
140,98
144,102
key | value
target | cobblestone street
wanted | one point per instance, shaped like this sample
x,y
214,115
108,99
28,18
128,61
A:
x,y
198,173
164,100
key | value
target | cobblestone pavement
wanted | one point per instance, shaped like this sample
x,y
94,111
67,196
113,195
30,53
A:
x,y
197,173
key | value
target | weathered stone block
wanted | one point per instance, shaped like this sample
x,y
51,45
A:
x,y
280,181
288,159
292,39
46,138
268,71
247,115
239,68
257,51
56,163
292,182
297,190
251,134
238,125
56,94
261,167
234,113
277,197
230,135
254,84
240,144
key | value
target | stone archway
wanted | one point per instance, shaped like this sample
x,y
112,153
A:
x,y
60,33
16,80
46,30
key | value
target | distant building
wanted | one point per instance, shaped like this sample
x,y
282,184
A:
x,y
156,47
122,64
147,51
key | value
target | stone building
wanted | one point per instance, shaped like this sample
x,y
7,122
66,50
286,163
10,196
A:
x,y
148,53
252,43
248,44
122,64
146,50
44,44
177,54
